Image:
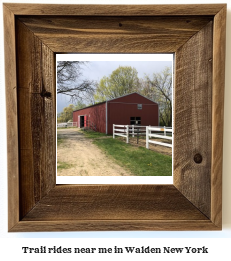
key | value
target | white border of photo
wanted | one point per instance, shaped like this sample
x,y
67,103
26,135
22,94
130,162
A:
x,y
114,179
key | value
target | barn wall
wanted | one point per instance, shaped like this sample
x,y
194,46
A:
x,y
120,110
95,114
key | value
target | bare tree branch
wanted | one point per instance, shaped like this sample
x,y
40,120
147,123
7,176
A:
x,y
70,81
159,89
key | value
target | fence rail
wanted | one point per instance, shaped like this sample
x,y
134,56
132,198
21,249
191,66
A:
x,y
122,131
134,130
67,124
127,130
149,135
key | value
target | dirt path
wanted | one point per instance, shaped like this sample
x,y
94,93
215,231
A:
x,y
82,158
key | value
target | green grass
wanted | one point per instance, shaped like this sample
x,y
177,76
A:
x,y
94,135
59,140
140,161
64,165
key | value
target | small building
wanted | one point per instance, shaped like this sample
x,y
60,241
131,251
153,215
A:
x,y
130,109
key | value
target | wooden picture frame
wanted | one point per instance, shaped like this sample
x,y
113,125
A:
x,y
34,33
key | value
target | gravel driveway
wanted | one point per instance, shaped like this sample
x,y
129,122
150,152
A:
x,y
82,158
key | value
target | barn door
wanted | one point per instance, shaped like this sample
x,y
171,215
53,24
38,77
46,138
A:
x,y
85,121
78,121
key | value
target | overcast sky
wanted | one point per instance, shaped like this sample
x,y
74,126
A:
x,y
103,65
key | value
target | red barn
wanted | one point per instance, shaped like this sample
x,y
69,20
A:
x,y
129,109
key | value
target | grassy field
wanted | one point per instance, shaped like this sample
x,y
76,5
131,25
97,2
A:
x,y
139,160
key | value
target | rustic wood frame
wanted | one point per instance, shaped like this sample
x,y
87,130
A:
x,y
33,34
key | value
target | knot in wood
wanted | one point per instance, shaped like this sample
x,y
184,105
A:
x,y
45,94
198,158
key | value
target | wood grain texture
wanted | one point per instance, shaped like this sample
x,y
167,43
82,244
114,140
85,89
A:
x,y
114,225
114,10
191,205
12,121
114,207
115,34
193,126
218,114
36,106
48,94
114,202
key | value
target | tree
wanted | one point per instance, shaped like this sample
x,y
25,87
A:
x,y
70,81
159,89
79,105
66,114
123,80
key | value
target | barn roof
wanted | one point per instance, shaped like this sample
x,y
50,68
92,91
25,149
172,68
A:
x,y
131,94
90,106
116,99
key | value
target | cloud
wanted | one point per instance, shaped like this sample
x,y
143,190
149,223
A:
x,y
96,70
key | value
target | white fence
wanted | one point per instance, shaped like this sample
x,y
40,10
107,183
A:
x,y
126,130
149,135
122,131
133,130
67,124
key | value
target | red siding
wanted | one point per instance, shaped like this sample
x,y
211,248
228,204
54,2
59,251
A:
x,y
122,109
95,114
132,98
119,111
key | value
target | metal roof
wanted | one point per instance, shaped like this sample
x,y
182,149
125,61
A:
x,y
116,99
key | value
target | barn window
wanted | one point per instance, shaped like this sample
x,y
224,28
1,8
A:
x,y
139,106
135,120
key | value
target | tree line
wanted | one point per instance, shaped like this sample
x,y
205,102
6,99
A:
x,y
122,81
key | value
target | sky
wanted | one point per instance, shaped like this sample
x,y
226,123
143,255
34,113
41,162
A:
x,y
101,65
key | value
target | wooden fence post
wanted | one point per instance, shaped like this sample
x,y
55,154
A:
x,y
147,137
113,131
127,129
